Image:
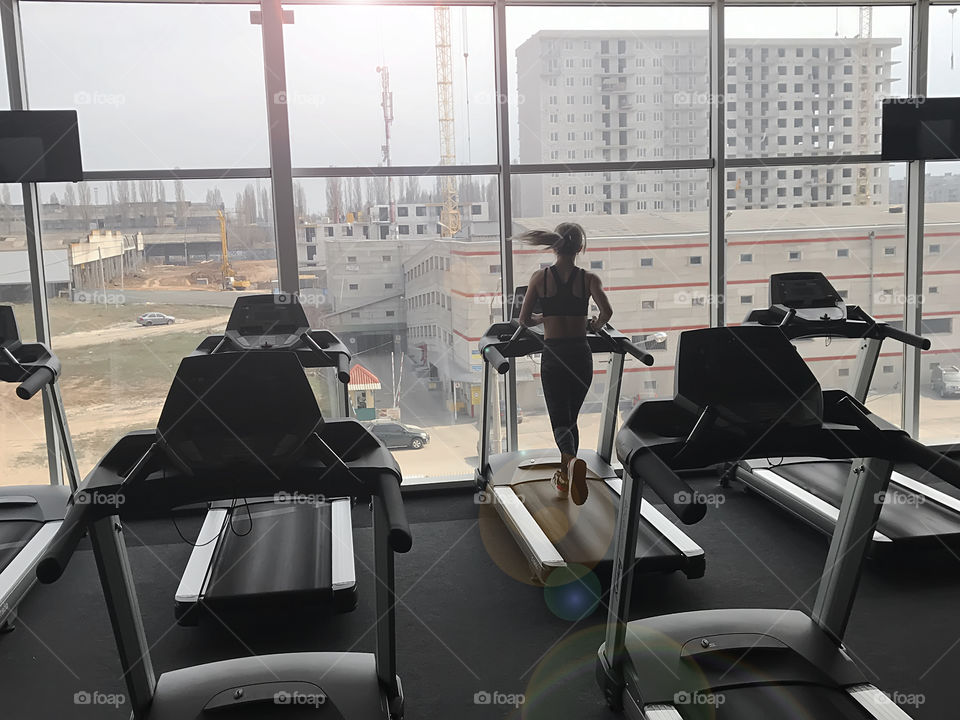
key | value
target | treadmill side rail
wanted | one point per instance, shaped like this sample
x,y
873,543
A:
x,y
677,537
661,712
197,572
529,534
343,573
876,703
20,573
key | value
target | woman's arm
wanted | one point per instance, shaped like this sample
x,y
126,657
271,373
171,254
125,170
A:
x,y
527,318
602,301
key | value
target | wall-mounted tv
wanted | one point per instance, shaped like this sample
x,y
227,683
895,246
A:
x,y
921,129
39,146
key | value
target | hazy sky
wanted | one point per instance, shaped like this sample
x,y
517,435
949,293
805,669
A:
x,y
182,85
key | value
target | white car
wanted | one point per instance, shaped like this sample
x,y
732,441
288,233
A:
x,y
155,318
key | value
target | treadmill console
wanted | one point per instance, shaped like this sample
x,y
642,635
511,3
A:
x,y
810,294
267,321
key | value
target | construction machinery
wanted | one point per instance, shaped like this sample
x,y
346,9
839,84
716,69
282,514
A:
x,y
228,278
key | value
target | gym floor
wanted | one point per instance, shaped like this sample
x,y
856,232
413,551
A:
x,y
467,626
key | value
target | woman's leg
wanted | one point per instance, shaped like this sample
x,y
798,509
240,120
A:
x,y
580,365
553,377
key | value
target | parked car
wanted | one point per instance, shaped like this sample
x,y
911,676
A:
x,y
397,435
946,380
155,318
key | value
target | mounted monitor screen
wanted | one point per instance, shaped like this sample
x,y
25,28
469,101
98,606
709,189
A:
x,y
921,129
516,303
39,146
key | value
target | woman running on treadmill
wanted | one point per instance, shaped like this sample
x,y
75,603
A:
x,y
566,367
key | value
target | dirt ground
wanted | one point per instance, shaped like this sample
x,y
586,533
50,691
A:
x,y
261,273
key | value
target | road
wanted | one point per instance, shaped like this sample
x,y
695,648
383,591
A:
x,y
206,298
132,331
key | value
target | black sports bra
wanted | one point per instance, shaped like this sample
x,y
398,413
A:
x,y
564,302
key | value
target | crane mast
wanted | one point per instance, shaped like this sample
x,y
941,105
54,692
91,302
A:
x,y
386,102
450,211
866,102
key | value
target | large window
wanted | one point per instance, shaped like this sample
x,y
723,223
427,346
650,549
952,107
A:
x,y
615,83
860,248
24,459
338,59
135,283
175,86
410,301
803,81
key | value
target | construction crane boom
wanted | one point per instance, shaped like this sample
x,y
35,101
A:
x,y
450,213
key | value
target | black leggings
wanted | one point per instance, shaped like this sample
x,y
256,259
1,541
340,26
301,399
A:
x,y
566,371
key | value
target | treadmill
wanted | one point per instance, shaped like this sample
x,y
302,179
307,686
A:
x,y
233,567
915,516
30,515
745,392
554,532
212,451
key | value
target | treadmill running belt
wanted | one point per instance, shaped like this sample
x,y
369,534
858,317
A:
x,y
14,534
783,702
905,514
280,548
583,534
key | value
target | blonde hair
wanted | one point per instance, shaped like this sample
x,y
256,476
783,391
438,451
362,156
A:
x,y
566,239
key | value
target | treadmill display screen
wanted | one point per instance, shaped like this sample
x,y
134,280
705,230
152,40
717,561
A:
x,y
802,290
261,315
517,302
39,146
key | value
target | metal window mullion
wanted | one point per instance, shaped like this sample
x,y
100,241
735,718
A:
x,y
502,90
913,272
718,243
17,90
281,166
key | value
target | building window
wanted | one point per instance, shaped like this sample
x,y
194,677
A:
x,y
649,384
648,304
351,258
354,286
934,249
390,313
889,251
887,369
354,315
843,252
843,372
403,211
696,260
746,299
646,262
388,286
403,230
596,264
494,269
933,290
746,257
793,255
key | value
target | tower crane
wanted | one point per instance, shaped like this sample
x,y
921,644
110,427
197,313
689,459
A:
x,y
450,211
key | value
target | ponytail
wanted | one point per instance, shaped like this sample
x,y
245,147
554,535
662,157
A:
x,y
567,239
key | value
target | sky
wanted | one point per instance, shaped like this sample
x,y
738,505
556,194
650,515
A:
x,y
164,86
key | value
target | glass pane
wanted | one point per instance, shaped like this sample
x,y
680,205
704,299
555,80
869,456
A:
x,y
409,302
809,80
4,93
594,83
653,262
338,59
942,79
940,366
861,250
140,285
180,86
24,457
